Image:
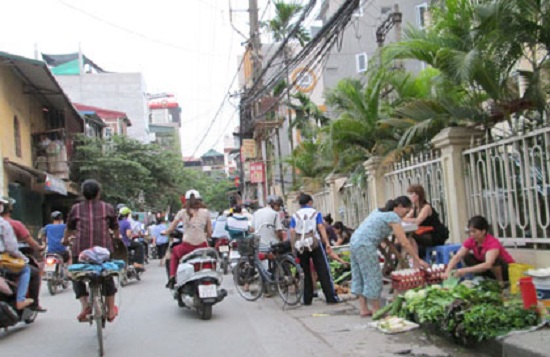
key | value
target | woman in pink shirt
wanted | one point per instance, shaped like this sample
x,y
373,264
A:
x,y
482,253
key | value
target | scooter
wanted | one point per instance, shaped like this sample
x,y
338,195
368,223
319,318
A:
x,y
198,280
9,315
55,273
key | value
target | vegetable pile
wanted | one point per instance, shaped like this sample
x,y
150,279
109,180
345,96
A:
x,y
467,314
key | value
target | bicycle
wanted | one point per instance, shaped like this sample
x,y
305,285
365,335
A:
x,y
251,278
96,300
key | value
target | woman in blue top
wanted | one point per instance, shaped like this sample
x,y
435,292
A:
x,y
366,274
54,235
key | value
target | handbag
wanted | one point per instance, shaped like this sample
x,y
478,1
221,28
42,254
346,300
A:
x,y
13,264
423,230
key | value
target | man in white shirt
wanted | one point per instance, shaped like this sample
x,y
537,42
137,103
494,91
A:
x,y
267,221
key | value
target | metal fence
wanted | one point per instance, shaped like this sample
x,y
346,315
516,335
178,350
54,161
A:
x,y
356,203
424,169
508,182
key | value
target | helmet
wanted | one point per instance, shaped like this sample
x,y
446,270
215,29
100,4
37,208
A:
x,y
120,206
124,211
8,203
56,215
195,193
274,200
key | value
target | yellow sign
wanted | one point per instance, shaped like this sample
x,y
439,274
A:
x,y
248,149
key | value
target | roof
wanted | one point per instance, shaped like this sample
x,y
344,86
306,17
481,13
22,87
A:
x,y
58,60
39,81
212,153
93,117
105,114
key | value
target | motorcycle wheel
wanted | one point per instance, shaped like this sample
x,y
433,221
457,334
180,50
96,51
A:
x,y
225,266
52,287
205,311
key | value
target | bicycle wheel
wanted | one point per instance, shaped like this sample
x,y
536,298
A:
x,y
290,280
98,314
248,280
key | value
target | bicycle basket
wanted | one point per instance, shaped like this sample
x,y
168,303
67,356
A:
x,y
248,245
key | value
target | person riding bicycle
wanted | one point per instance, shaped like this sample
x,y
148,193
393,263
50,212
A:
x,y
267,221
8,244
125,228
90,222
198,228
54,236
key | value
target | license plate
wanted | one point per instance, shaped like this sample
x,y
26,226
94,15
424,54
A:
x,y
224,248
234,255
208,291
49,268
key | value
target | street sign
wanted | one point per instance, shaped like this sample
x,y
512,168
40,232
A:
x,y
257,172
248,149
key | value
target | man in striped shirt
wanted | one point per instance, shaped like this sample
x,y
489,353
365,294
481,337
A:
x,y
91,222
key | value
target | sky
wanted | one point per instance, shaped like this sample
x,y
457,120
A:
x,y
184,47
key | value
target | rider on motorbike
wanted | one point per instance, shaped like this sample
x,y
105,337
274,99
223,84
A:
x,y
125,228
198,228
8,244
24,240
90,221
54,235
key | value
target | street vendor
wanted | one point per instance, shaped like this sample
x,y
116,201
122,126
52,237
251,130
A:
x,y
482,253
366,275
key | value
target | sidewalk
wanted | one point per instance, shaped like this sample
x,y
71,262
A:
x,y
340,327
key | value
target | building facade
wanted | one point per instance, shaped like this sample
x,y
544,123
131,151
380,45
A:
x,y
36,141
87,83
165,121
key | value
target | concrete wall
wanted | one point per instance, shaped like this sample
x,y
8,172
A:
x,y
29,113
360,36
125,92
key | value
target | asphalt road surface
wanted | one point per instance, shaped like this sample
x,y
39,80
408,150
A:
x,y
150,323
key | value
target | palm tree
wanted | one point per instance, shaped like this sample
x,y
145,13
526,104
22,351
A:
x,y
308,116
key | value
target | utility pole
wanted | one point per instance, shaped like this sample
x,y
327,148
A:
x,y
255,47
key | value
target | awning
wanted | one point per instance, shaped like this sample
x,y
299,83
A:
x,y
46,182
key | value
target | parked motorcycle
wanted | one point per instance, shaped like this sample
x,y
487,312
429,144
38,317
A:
x,y
55,273
198,280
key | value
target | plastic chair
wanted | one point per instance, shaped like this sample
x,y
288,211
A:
x,y
443,253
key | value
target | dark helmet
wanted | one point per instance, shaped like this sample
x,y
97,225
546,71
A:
x,y
56,215
274,200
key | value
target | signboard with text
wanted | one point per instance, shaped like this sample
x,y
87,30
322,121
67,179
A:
x,y
257,172
248,149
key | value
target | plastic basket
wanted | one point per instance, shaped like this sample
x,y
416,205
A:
x,y
515,272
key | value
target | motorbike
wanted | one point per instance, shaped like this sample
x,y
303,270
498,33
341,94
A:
x,y
198,281
55,273
9,315
222,247
129,272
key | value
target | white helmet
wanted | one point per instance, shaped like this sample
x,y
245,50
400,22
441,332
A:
x,y
195,193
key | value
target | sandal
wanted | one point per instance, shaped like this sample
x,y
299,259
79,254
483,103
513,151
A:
x,y
115,310
83,316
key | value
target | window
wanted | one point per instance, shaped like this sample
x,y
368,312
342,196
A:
x,y
360,9
108,132
361,62
17,136
421,14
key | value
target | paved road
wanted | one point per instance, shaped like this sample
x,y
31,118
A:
x,y
151,324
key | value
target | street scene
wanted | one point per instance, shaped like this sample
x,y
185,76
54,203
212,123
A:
x,y
275,177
